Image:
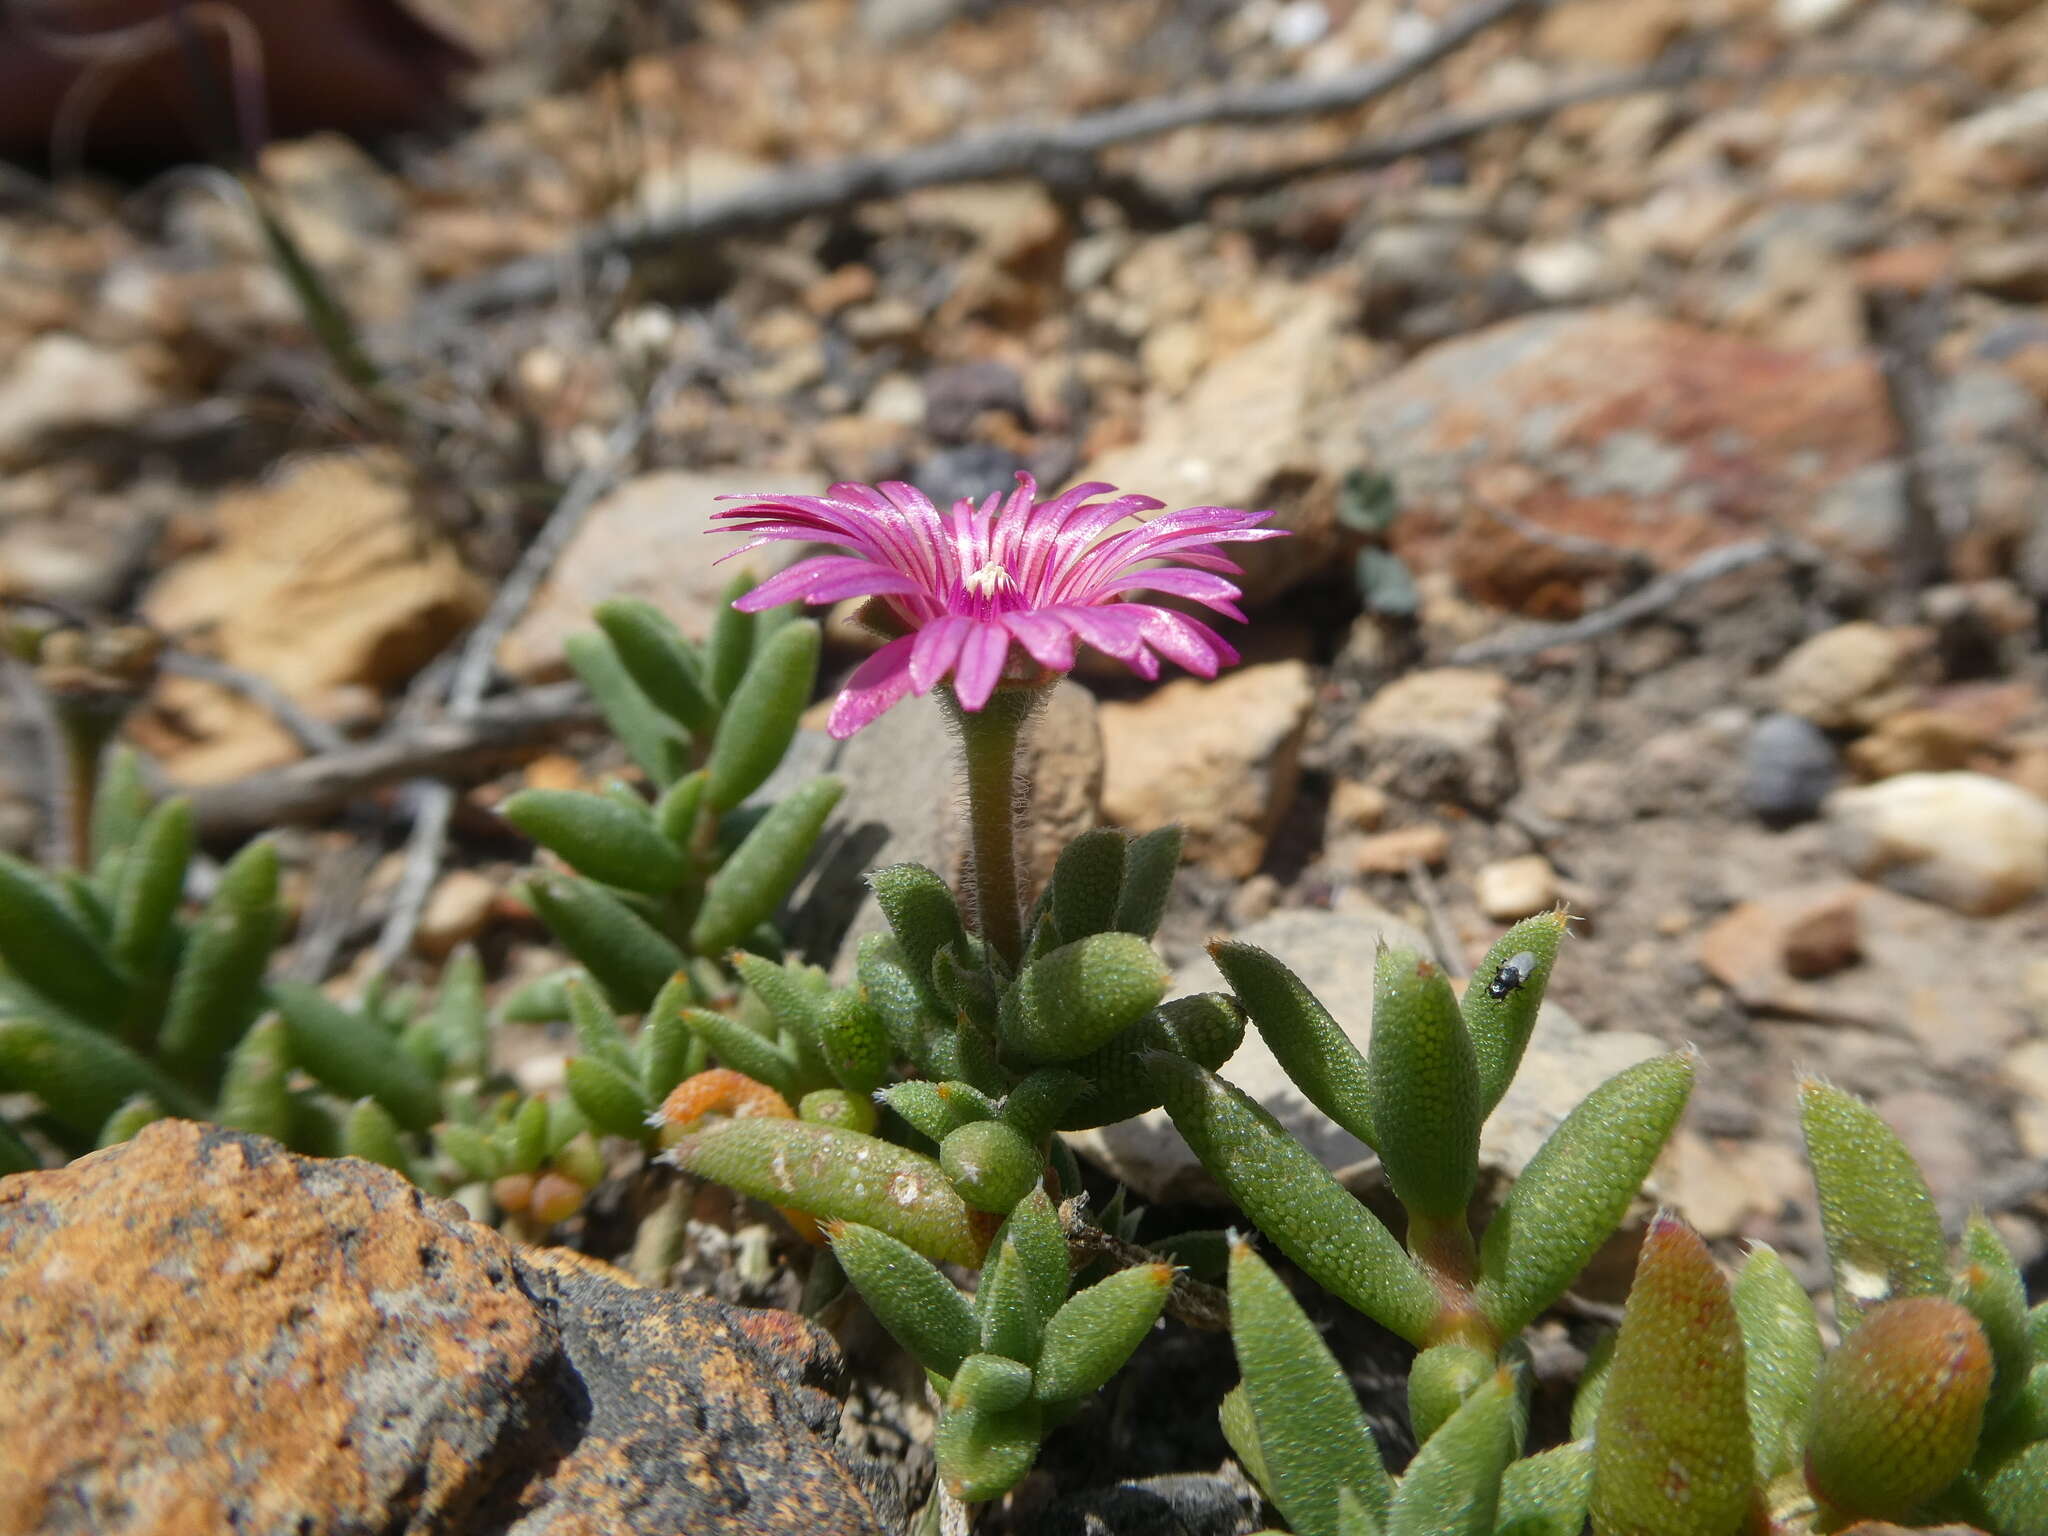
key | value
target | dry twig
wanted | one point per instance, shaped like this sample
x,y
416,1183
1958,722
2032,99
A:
x,y
309,731
1194,1302
1527,639
319,786
1053,152
1905,327
1450,953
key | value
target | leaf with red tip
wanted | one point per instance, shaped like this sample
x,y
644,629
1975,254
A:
x,y
1671,1451
1899,1408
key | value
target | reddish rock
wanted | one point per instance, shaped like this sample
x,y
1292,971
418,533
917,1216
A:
x,y
1609,424
202,1332
1761,950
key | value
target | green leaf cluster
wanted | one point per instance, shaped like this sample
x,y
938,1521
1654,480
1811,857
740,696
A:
x,y
672,882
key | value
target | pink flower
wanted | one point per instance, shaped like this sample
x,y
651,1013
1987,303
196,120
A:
x,y
1042,574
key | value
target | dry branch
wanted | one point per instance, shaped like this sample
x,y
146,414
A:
x,y
320,786
1527,639
1058,152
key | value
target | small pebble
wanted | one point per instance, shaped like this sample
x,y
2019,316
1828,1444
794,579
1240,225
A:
x,y
1509,890
1788,769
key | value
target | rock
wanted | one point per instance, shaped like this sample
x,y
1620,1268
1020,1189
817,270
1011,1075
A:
x,y
1623,37
2013,269
457,911
1395,852
895,21
330,577
902,804
1728,1186
1509,890
1438,734
651,538
207,1332
1917,741
1787,769
2005,145
1763,950
1812,15
1332,952
1851,675
1609,423
1356,807
2026,1070
1237,439
61,383
956,396
1221,758
1969,841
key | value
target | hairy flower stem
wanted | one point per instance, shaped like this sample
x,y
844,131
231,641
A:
x,y
988,740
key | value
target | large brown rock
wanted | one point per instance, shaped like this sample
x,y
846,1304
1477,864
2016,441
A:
x,y
201,1332
1611,424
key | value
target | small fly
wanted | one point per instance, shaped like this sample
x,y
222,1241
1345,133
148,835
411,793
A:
x,y
1513,971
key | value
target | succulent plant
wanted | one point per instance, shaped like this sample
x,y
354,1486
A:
x,y
669,887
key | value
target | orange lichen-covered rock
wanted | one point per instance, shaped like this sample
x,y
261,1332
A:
x,y
200,1331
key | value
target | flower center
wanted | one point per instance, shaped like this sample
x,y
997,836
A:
x,y
991,581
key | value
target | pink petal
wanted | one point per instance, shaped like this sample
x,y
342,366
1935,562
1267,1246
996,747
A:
x,y
1048,640
937,649
981,664
1198,585
1189,642
826,579
876,684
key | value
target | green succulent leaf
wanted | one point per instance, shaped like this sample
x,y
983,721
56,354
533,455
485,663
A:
x,y
470,1150
1441,1378
669,1050
1990,1288
255,1095
1009,1304
854,1040
1312,1439
651,737
2011,1498
45,947
919,1306
1087,882
353,1057
1424,1088
1282,1187
370,1133
218,988
609,1095
935,1110
661,663
120,804
1034,1228
991,1163
597,1027
744,1050
618,947
990,1383
1782,1345
1883,1233
923,917
1040,1100
1452,1487
1671,1450
1500,1026
730,645
835,1106
836,1174
1311,1046
1149,865
1592,1386
761,718
903,1000
1206,1028
1577,1188
1081,996
133,1114
460,1019
1096,1330
983,1454
81,1075
599,838
16,1156
761,871
1241,1431
1547,1494
152,885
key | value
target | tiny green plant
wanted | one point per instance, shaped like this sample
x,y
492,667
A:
x,y
667,887
118,1006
